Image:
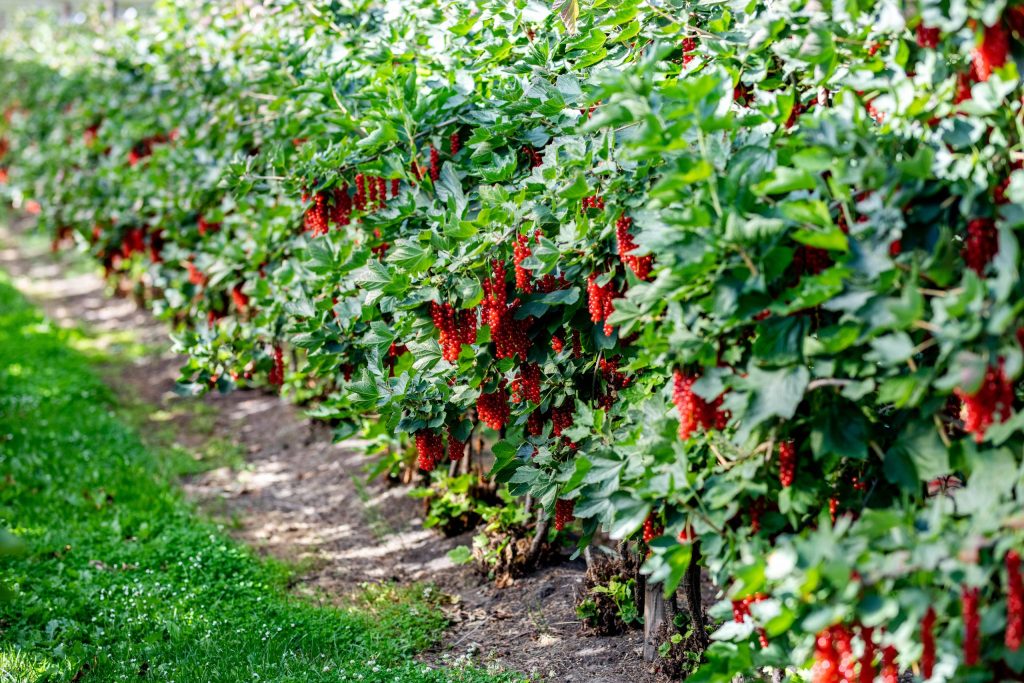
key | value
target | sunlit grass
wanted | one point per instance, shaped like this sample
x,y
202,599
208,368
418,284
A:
x,y
122,581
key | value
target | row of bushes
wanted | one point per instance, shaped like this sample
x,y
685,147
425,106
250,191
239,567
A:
x,y
735,275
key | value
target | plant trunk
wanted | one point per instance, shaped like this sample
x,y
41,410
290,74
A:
x,y
654,618
691,591
539,537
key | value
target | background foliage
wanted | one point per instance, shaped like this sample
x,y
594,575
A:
x,y
823,197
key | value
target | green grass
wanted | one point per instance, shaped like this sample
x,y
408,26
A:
x,y
122,581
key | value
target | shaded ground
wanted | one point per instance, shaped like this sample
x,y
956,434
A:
x,y
287,490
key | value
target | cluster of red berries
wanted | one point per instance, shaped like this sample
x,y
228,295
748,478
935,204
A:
x,y
577,345
972,636
133,242
435,164
380,249
492,409
928,643
741,610
429,449
640,265
741,94
341,207
240,298
317,217
455,327
1014,601
992,52
756,509
927,37
557,344
694,411
206,227
593,202
599,300
552,283
195,276
991,403
520,252
359,200
810,260
377,192
535,158
610,370
689,45
561,416
835,661
563,513
455,143
145,147
981,245
456,448
652,528
787,463
276,375
535,423
526,386
156,245
509,334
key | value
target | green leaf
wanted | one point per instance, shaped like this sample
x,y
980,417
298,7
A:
x,y
784,179
768,393
840,429
569,11
920,446
460,554
410,256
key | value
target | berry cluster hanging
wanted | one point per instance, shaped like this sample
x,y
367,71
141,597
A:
x,y
1014,601
509,335
990,404
695,412
455,327
599,300
640,265
456,448
429,449
520,252
526,385
492,409
981,245
787,463
276,376
652,528
563,513
972,621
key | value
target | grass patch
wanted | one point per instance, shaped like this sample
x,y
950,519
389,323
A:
x,y
122,581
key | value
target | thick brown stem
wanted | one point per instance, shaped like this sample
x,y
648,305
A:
x,y
691,591
654,619
541,535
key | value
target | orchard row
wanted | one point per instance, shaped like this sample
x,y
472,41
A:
x,y
742,281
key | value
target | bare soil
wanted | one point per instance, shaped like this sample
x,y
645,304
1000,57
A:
x,y
303,499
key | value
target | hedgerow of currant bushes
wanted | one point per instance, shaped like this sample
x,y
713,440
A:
x,y
738,275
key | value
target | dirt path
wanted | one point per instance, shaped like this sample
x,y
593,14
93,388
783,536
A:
x,y
303,499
